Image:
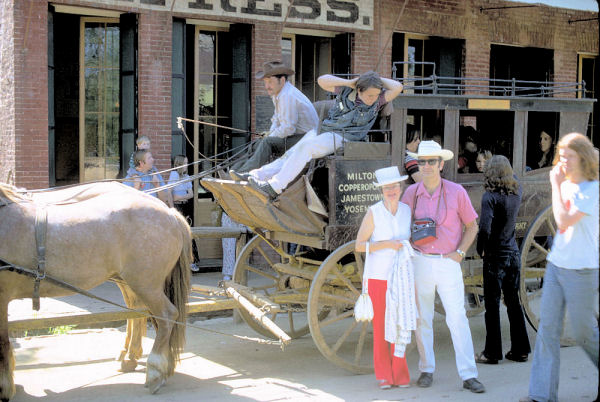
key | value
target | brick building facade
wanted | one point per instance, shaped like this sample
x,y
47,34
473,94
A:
x,y
44,138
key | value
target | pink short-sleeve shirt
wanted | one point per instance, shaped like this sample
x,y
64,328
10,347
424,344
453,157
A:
x,y
455,210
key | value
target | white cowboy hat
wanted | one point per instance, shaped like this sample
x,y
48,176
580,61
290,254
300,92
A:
x,y
387,176
431,148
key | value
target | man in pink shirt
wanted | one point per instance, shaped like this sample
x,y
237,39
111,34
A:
x,y
437,262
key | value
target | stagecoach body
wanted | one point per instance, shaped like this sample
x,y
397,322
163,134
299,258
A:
x,y
313,288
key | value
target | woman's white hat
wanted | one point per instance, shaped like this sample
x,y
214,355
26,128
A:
x,y
431,148
387,176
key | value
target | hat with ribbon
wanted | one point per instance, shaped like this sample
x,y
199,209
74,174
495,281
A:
x,y
431,148
388,175
272,68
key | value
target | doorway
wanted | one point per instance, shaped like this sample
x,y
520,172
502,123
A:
x,y
99,156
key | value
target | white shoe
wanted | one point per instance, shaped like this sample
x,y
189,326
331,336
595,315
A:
x,y
194,267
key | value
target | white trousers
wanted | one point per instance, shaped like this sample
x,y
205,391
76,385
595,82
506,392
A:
x,y
445,275
282,171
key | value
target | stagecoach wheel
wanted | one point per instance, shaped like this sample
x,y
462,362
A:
x,y
534,249
254,268
474,303
336,286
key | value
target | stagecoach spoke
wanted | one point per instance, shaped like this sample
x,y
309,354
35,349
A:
x,y
539,247
260,272
265,256
346,333
361,342
337,318
359,263
346,281
551,226
328,297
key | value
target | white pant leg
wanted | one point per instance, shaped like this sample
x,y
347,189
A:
x,y
300,154
425,282
269,170
452,294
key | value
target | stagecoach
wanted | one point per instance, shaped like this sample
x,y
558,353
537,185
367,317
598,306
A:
x,y
301,269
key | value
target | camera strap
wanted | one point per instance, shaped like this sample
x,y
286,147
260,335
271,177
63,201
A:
x,y
437,208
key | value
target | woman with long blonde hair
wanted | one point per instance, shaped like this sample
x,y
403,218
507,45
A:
x,y
571,278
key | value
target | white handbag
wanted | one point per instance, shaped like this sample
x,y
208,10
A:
x,y
363,308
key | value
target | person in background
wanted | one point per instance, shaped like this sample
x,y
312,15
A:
x,y
183,195
382,230
142,143
571,277
413,139
501,262
437,262
469,145
482,158
546,151
293,117
228,244
142,178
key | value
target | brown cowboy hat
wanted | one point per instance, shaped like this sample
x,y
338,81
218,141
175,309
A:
x,y
272,68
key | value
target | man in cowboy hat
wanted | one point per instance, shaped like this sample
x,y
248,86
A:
x,y
437,262
294,116
356,108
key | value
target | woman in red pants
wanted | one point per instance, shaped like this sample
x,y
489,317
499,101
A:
x,y
384,227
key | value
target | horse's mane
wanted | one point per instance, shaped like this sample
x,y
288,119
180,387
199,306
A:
x,y
12,193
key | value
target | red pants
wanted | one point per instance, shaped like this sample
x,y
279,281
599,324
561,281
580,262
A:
x,y
388,367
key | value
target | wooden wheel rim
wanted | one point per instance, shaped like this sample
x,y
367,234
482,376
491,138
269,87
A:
x,y
330,349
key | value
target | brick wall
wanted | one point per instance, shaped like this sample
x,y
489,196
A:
x,y
7,95
154,83
266,46
23,96
30,94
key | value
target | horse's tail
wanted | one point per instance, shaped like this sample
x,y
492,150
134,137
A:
x,y
177,288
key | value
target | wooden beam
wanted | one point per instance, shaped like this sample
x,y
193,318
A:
x,y
111,316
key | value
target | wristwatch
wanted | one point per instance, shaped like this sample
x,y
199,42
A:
x,y
461,253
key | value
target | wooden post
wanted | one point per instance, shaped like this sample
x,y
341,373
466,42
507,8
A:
x,y
258,315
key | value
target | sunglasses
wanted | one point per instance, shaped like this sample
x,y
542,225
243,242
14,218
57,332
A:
x,y
431,162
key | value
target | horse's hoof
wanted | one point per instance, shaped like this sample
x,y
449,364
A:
x,y
127,366
154,385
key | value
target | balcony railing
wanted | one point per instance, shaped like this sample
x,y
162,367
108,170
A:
x,y
440,85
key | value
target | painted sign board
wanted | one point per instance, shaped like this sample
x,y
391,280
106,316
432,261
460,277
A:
x,y
355,191
355,14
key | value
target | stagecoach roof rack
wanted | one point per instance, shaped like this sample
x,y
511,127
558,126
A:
x,y
441,85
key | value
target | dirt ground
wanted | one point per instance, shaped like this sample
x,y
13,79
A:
x,y
80,366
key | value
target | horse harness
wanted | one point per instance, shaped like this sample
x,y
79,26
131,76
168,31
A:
x,y
39,274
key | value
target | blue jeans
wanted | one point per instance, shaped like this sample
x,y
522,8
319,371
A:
x,y
574,289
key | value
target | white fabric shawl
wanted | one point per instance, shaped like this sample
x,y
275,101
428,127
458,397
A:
x,y
400,304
